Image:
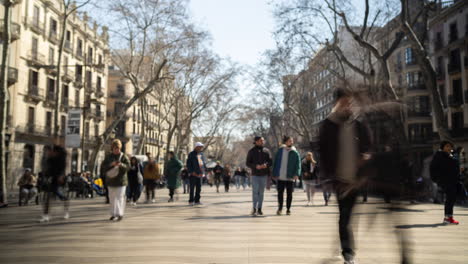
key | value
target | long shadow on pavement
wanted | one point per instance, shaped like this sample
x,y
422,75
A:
x,y
224,217
419,226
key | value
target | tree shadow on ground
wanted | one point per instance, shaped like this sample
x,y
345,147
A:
x,y
419,226
225,217
401,209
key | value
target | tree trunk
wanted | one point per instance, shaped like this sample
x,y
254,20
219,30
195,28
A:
x,y
144,126
58,90
4,97
106,135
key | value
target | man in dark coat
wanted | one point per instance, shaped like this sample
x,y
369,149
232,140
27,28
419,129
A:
x,y
445,171
196,166
344,145
218,173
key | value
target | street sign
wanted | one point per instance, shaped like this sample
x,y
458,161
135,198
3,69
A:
x,y
72,138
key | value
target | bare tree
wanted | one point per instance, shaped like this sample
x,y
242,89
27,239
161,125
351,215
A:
x,y
146,34
4,94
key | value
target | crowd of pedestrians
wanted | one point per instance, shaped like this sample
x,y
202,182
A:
x,y
346,164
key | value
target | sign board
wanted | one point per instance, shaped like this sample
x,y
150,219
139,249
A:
x,y
72,138
135,142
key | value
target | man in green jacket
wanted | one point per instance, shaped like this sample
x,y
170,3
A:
x,y
286,169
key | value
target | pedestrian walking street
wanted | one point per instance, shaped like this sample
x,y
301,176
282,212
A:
x,y
221,231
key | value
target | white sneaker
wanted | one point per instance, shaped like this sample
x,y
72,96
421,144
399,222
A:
x,y
44,218
153,201
66,216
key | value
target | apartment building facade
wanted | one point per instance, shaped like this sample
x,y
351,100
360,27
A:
x,y
448,32
36,27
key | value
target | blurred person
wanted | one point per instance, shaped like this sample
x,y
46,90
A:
x,y
54,172
445,171
259,161
151,176
344,145
244,177
115,167
196,166
227,177
238,177
218,172
286,169
173,169
185,180
135,180
309,176
27,185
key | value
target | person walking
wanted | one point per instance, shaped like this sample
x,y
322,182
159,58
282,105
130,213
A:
x,y
238,178
115,167
286,170
185,180
244,177
196,166
309,176
259,161
151,176
172,172
218,172
27,185
344,144
227,177
54,171
445,171
135,180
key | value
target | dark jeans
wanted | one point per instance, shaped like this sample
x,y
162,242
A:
x,y
150,186
171,192
289,186
134,191
450,198
55,192
345,206
195,189
227,182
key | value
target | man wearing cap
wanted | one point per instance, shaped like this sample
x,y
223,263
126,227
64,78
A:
x,y
259,161
196,169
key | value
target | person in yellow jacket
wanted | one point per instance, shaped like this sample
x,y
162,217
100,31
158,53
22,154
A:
x,y
151,176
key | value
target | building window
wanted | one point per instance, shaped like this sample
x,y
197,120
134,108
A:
x,y
33,82
90,55
28,157
34,48
48,124
439,41
96,130
79,73
87,130
453,32
36,15
98,84
79,48
77,98
457,91
409,56
457,120
100,59
53,28
50,89
51,56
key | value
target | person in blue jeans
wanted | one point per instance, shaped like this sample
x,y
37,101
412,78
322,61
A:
x,y
259,161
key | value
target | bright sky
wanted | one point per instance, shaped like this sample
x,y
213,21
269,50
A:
x,y
241,29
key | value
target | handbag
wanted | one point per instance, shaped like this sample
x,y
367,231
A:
x,y
114,171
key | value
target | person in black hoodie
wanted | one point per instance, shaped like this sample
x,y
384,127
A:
x,y
344,145
55,174
259,161
135,180
445,171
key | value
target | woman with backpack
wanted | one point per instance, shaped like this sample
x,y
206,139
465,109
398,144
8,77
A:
x,y
115,167
445,171
135,180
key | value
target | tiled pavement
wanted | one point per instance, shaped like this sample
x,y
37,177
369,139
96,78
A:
x,y
221,231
